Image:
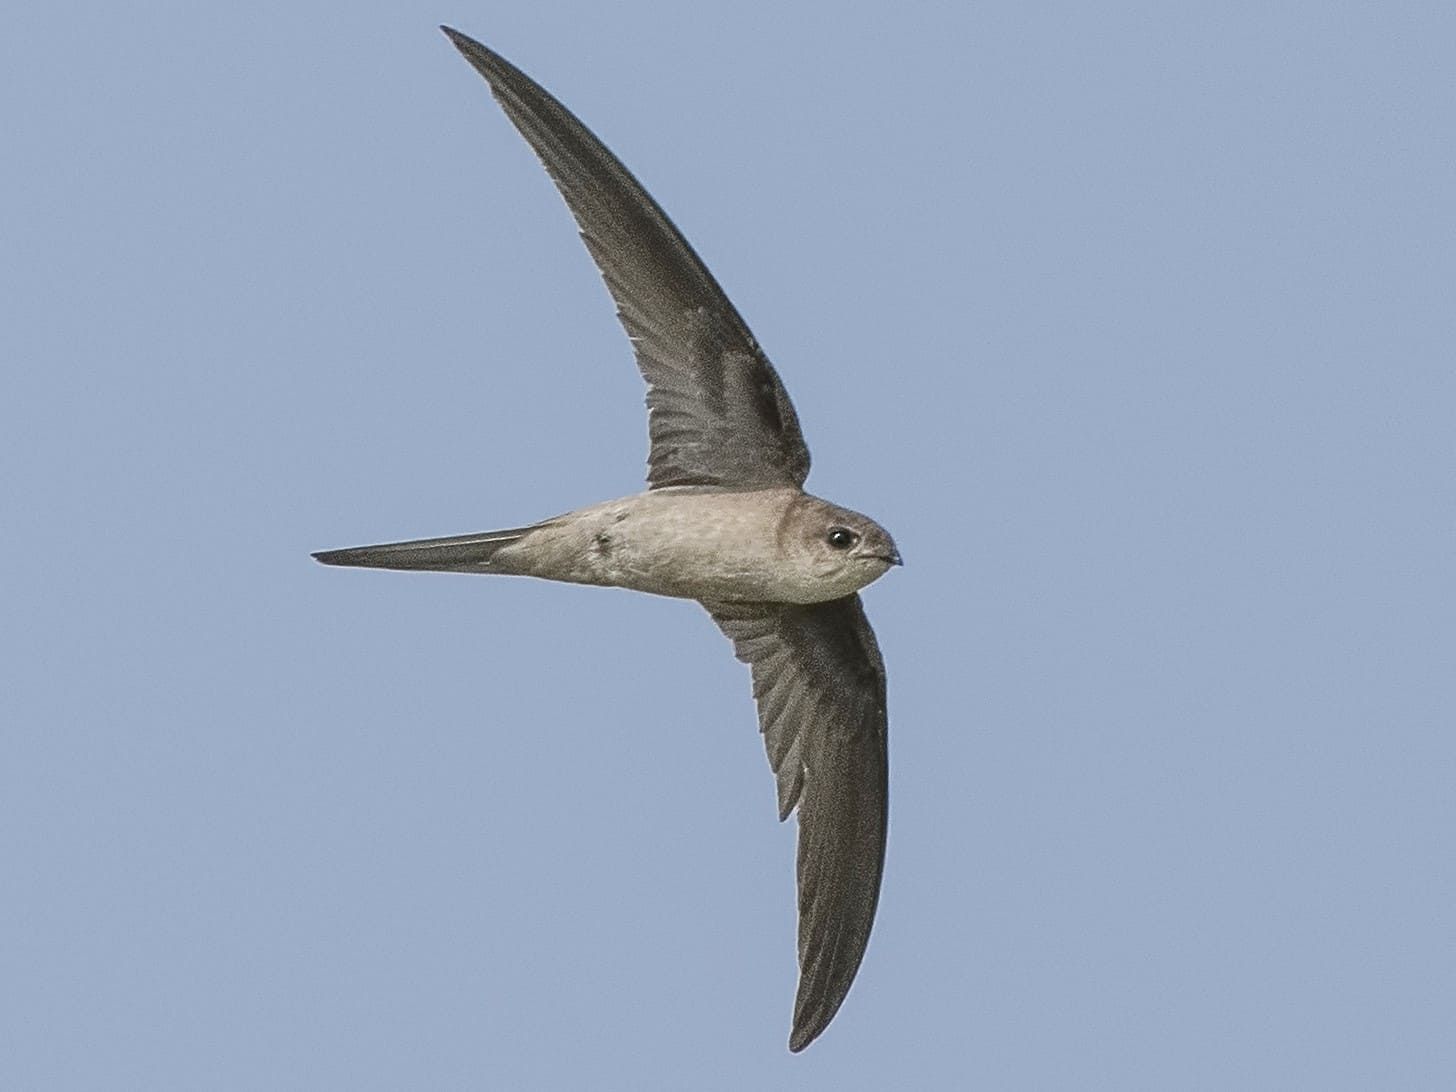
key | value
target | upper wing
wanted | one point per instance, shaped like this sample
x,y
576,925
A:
x,y
717,412
819,683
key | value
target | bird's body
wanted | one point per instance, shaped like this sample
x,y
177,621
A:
x,y
726,522
690,542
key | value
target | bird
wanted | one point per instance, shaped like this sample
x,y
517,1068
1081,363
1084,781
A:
x,y
725,521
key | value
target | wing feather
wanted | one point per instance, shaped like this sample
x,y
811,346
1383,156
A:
x,y
819,683
717,413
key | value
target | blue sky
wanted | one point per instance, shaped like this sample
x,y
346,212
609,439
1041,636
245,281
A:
x,y
1133,323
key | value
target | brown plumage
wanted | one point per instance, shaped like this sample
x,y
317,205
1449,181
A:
x,y
724,521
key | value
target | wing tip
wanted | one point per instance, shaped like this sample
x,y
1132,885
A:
x,y
485,60
805,1032
460,40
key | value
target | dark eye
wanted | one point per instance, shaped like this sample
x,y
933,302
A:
x,y
841,538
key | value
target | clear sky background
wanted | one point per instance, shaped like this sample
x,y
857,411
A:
x,y
1133,322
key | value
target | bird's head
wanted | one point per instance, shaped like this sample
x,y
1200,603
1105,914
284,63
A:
x,y
839,550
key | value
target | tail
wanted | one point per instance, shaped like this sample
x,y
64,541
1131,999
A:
x,y
461,554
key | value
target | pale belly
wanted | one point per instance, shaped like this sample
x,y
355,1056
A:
x,y
685,543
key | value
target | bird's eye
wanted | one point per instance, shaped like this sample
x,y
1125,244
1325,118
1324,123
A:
x,y
841,538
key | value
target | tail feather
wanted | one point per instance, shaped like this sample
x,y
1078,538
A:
x,y
459,554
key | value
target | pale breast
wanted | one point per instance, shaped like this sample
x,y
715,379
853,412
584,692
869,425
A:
x,y
687,543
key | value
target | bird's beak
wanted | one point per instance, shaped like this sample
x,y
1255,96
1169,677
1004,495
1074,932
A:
x,y
893,557
460,554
